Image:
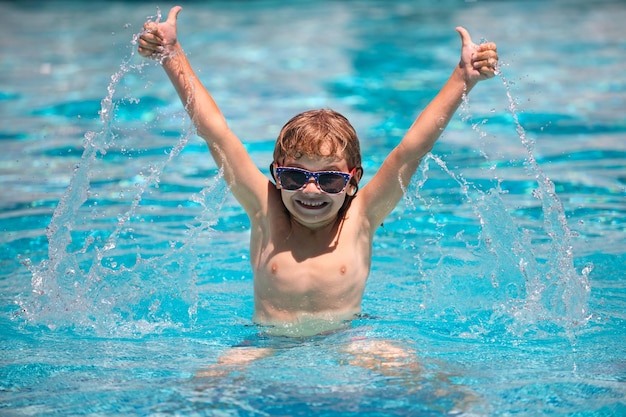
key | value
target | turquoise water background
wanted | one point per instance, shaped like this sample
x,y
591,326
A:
x,y
124,265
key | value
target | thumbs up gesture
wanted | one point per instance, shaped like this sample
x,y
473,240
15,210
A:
x,y
478,62
158,39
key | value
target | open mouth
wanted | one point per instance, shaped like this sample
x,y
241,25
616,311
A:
x,y
312,205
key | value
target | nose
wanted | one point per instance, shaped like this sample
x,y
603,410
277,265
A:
x,y
311,186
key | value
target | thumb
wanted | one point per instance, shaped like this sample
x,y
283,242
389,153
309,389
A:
x,y
173,14
466,39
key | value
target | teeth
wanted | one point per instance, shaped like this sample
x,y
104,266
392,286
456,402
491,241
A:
x,y
312,203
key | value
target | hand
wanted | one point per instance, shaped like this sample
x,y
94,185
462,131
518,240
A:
x,y
158,40
478,62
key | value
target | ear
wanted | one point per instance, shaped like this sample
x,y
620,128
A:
x,y
352,189
354,182
273,174
358,174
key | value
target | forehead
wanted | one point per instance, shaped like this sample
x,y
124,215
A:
x,y
297,145
318,163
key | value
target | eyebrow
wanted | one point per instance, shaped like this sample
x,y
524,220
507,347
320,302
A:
x,y
332,166
325,168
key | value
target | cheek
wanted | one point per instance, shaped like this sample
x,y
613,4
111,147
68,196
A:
x,y
285,198
339,200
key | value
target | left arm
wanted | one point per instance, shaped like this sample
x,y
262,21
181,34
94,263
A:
x,y
382,193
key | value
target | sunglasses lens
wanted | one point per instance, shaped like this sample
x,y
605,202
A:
x,y
332,183
292,179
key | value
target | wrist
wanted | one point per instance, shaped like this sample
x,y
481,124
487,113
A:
x,y
461,76
171,51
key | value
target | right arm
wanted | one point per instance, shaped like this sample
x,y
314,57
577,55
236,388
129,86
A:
x,y
247,183
385,189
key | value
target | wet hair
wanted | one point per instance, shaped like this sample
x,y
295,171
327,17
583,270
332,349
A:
x,y
322,133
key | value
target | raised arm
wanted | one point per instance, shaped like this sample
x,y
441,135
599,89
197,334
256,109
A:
x,y
382,193
248,184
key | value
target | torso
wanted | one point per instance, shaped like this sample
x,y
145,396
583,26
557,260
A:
x,y
302,274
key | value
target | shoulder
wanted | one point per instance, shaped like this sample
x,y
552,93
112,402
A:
x,y
271,210
356,216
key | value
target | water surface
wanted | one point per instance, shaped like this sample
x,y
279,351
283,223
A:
x,y
124,259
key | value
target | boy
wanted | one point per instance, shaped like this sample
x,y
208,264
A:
x,y
311,232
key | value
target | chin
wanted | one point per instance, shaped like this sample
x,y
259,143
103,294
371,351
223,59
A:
x,y
317,218
314,222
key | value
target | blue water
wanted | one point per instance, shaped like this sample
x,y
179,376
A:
x,y
124,264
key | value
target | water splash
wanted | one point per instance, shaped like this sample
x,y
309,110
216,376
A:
x,y
556,292
115,283
101,285
510,279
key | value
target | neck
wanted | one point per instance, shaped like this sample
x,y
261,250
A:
x,y
317,228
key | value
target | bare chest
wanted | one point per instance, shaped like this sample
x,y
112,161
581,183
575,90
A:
x,y
312,273
298,270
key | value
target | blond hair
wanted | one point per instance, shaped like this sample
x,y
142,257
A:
x,y
322,133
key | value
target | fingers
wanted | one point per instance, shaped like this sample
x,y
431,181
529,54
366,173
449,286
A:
x,y
150,26
173,14
150,34
150,41
148,48
466,39
486,59
486,63
483,57
488,46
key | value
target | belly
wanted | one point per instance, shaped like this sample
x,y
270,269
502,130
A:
x,y
305,324
325,287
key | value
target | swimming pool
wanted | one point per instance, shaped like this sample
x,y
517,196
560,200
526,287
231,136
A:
x,y
124,258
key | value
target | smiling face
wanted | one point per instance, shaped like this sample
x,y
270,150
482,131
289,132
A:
x,y
318,140
309,206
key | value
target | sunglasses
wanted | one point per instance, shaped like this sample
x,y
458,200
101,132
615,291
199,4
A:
x,y
295,179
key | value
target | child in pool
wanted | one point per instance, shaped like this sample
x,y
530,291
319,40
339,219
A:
x,y
311,232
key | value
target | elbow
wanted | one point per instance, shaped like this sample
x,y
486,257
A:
x,y
412,155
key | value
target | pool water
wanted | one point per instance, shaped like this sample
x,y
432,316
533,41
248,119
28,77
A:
x,y
500,276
